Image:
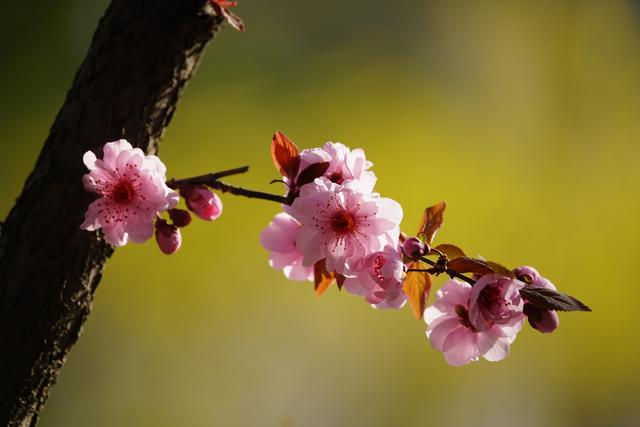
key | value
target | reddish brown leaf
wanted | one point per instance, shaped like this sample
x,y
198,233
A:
x,y
500,269
417,286
548,299
431,222
311,172
285,155
339,280
321,277
451,251
225,3
470,265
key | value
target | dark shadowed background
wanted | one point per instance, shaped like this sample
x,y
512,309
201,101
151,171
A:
x,y
524,116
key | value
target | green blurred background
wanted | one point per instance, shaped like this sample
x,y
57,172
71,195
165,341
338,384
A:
x,y
522,115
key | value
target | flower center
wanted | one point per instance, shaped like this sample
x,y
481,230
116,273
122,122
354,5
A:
x,y
493,306
463,315
122,192
377,268
336,177
343,222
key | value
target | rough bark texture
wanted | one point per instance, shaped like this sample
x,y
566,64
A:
x,y
141,56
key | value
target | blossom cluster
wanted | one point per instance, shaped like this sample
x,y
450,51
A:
x,y
133,194
335,228
466,321
338,228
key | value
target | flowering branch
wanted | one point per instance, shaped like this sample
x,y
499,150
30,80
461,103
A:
x,y
335,229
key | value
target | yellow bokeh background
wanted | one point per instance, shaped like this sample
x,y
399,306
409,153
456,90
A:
x,y
523,116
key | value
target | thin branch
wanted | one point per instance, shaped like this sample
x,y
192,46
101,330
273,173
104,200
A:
x,y
212,180
207,178
452,273
240,191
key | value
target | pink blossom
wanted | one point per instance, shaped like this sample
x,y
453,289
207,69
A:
x,y
343,225
544,321
168,237
203,202
379,279
345,165
495,299
451,331
279,238
132,192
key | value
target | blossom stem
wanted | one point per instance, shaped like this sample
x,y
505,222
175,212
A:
x,y
207,178
240,191
440,268
212,180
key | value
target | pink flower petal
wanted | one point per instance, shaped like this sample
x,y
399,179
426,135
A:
x,y
280,260
141,231
111,151
493,350
353,286
89,160
115,235
460,347
439,333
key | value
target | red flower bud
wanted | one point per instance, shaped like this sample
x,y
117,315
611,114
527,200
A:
x,y
414,248
168,237
180,217
202,202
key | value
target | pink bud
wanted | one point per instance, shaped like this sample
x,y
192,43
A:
x,y
202,202
168,237
545,321
527,274
414,248
180,217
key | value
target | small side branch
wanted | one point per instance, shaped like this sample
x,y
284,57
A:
x,y
239,191
212,180
439,268
206,179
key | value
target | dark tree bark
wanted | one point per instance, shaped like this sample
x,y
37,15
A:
x,y
141,56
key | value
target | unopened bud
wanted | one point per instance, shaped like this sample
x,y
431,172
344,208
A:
x,y
180,217
202,202
414,248
168,237
526,274
545,321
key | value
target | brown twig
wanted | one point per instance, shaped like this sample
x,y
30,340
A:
x,y
212,180
443,268
207,178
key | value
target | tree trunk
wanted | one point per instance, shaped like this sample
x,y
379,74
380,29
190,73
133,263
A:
x,y
141,56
